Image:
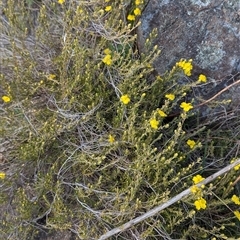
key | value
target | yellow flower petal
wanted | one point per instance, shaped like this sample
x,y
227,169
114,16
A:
x,y
186,66
170,96
186,106
237,214
138,2
111,138
107,51
197,179
125,99
131,17
6,99
191,143
235,199
154,123
108,8
61,1
237,167
79,10
51,76
137,11
107,59
195,189
162,113
200,203
202,78
2,175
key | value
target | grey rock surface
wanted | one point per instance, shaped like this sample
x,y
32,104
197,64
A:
x,y
207,31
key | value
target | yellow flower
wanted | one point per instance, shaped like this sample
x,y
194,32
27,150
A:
x,y
51,76
162,113
195,189
107,0
197,179
200,203
154,123
79,10
6,99
137,11
125,99
111,138
131,17
186,66
237,167
202,78
237,214
186,106
107,59
108,8
191,143
235,199
107,51
61,1
138,2
2,175
170,96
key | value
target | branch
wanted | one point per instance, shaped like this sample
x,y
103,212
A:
x,y
159,208
219,93
210,99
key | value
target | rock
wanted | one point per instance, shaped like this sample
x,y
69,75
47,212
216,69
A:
x,y
207,31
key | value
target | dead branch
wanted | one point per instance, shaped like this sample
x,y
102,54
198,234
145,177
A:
x,y
159,208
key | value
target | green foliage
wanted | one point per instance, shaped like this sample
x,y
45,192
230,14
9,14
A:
x,y
63,172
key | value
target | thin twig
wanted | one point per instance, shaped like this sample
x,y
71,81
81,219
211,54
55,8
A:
x,y
159,208
219,93
210,99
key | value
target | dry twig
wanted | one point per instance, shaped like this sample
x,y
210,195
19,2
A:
x,y
159,208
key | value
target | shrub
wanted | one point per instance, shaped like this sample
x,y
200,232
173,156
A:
x,y
90,142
